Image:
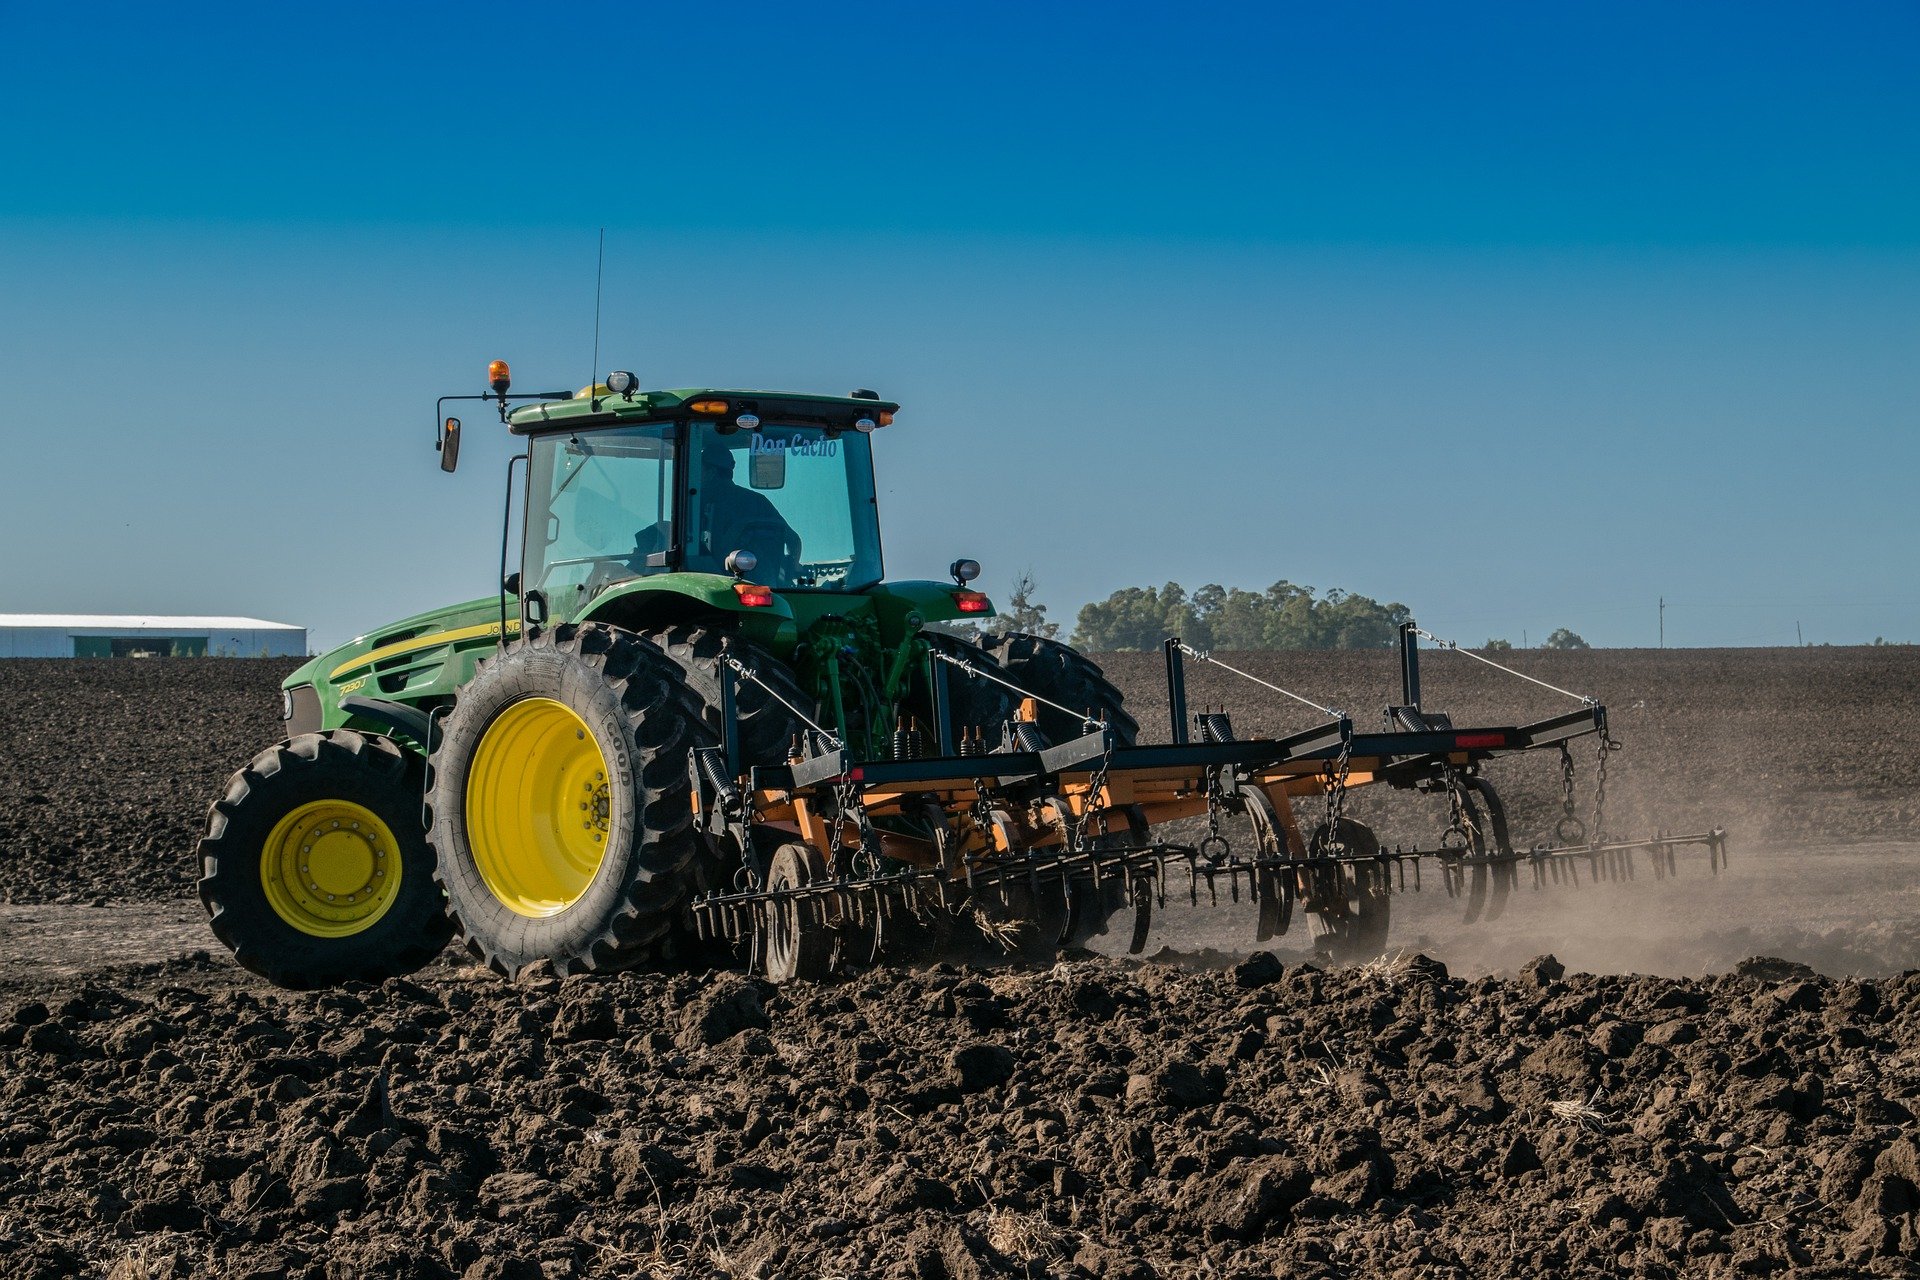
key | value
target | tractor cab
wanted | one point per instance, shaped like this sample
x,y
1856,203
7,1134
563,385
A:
x,y
745,498
789,505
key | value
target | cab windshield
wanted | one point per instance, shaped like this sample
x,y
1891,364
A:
x,y
606,505
800,499
600,509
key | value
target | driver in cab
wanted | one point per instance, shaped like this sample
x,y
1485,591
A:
x,y
735,518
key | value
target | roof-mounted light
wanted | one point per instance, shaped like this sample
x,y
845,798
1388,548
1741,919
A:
x,y
864,424
747,422
714,407
499,377
964,571
622,383
886,417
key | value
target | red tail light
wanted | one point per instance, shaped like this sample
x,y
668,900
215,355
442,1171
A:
x,y
972,602
1472,741
754,597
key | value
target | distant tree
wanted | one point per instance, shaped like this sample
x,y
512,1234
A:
x,y
1565,639
1023,613
1133,618
1498,646
1284,616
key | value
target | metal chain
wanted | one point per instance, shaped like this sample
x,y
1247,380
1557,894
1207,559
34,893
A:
x,y
1096,785
1607,747
1336,784
1216,848
1569,830
848,801
1458,826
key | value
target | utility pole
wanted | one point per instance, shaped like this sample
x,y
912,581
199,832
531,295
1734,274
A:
x,y
1663,622
1797,637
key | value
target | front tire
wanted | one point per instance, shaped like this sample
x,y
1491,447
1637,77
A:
x,y
315,869
562,817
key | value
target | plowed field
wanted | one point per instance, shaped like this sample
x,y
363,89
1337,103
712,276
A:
x,y
1199,1113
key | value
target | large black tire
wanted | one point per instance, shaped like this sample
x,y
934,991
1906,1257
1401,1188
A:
x,y
519,896
766,726
1064,675
271,810
972,703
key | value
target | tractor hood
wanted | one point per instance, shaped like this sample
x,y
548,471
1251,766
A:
x,y
450,624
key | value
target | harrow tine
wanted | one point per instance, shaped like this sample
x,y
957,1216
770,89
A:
x,y
1142,912
1477,893
1271,919
1503,881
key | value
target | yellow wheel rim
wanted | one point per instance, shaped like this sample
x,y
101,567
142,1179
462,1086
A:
x,y
331,868
538,805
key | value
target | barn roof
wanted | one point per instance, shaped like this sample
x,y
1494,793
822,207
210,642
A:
x,y
138,622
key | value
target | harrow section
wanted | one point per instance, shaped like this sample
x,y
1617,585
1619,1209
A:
x,y
1033,845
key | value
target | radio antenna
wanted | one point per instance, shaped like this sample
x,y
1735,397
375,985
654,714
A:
x,y
599,274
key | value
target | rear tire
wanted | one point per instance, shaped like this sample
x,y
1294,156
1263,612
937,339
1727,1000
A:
x,y
315,869
1062,674
973,703
766,727
562,816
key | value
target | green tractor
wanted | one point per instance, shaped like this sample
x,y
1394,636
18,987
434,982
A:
x,y
519,770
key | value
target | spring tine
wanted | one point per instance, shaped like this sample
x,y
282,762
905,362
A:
x,y
1477,893
1502,883
1142,914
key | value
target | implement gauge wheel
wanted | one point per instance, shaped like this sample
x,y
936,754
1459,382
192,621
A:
x,y
796,941
1349,906
315,869
562,813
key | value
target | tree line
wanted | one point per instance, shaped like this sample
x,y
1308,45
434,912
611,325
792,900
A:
x,y
1284,616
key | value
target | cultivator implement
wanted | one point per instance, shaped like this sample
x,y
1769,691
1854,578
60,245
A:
x,y
1032,844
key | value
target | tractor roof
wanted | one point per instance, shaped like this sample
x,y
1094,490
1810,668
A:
x,y
597,407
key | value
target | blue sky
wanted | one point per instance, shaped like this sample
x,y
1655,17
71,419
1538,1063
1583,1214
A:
x,y
1523,315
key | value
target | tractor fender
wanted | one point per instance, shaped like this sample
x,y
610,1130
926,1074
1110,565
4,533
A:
x,y
933,601
392,717
671,598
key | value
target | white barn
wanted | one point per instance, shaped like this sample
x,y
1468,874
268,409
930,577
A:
x,y
96,635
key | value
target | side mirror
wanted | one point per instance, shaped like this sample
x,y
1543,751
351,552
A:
x,y
512,585
450,445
